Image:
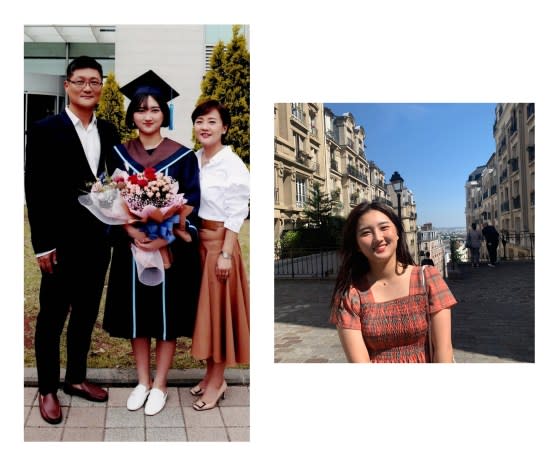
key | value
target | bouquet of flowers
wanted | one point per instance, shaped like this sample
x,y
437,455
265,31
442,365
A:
x,y
150,199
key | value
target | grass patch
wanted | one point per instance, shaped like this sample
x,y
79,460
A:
x,y
105,351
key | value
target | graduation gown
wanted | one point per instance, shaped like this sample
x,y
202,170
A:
x,y
168,310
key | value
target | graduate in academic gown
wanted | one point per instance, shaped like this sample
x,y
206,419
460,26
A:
x,y
165,311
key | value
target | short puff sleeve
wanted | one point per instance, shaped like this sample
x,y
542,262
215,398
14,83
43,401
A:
x,y
439,294
347,314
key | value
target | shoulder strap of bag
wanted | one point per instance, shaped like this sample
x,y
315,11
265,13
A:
x,y
428,316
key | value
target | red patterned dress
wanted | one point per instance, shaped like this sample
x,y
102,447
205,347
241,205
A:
x,y
396,330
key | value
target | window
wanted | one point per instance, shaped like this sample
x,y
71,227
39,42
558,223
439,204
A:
x,y
313,118
298,144
301,192
297,111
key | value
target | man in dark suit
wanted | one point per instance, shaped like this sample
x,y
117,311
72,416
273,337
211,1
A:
x,y
64,153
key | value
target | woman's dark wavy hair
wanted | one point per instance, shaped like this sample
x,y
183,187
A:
x,y
354,264
209,105
139,100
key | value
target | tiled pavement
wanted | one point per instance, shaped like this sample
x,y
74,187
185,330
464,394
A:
x,y
112,422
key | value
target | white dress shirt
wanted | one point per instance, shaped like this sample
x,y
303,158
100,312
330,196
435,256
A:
x,y
90,140
224,189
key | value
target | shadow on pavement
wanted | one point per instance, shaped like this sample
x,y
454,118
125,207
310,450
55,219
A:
x,y
495,314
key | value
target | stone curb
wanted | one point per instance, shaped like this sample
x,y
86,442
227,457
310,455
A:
x,y
128,378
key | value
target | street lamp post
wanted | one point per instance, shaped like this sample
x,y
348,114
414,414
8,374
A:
x,y
397,182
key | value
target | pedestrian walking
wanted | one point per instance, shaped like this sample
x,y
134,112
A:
x,y
473,243
492,238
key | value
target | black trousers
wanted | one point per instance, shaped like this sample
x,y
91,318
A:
x,y
75,287
492,252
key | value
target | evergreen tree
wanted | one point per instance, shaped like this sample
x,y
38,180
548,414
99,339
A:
x,y
111,108
228,81
318,207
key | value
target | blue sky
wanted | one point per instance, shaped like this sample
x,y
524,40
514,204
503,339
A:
x,y
434,147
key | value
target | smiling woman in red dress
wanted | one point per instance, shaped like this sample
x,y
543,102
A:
x,y
380,302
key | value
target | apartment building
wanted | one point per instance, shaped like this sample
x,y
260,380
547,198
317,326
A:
x,y
313,145
502,192
377,183
408,217
431,241
349,166
299,161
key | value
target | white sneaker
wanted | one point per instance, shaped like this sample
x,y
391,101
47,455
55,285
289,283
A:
x,y
491,265
137,398
156,402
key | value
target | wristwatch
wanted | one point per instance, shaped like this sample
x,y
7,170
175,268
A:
x,y
225,255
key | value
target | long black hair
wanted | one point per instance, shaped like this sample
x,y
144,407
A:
x,y
354,264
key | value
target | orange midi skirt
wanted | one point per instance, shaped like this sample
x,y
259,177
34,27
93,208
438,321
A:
x,y
221,330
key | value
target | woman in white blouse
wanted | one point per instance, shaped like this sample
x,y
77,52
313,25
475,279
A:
x,y
221,334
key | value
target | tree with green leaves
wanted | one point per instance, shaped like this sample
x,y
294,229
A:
x,y
111,108
318,207
228,81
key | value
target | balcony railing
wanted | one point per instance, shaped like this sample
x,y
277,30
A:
x,y
298,113
303,159
353,171
517,202
505,206
334,165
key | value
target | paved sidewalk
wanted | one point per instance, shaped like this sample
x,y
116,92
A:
x,y
112,422
494,320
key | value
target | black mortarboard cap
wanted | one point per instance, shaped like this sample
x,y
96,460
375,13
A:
x,y
149,83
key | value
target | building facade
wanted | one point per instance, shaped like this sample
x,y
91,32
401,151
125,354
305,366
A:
x,y
313,145
431,241
502,192
408,217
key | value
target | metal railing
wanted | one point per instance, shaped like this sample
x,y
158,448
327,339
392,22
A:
x,y
306,263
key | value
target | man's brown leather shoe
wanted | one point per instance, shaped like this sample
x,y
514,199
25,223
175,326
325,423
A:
x,y
49,407
86,390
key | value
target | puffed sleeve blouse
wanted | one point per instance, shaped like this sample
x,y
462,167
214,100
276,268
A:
x,y
396,330
224,185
